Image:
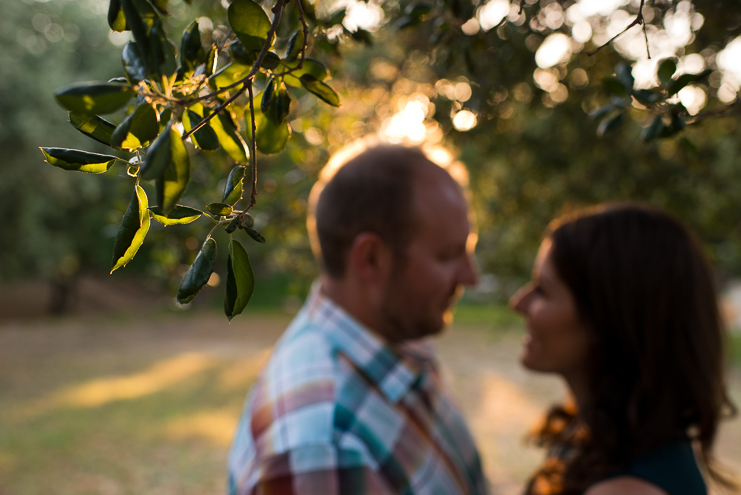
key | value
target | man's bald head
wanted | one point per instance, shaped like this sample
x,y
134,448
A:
x,y
372,192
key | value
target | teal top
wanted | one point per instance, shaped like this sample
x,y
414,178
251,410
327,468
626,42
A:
x,y
672,468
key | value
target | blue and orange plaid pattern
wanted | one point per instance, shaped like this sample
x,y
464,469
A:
x,y
338,412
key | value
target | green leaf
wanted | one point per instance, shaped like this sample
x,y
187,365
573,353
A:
x,y
295,44
689,148
199,272
363,36
614,86
133,229
141,18
191,49
337,17
240,281
159,156
80,161
248,20
610,124
116,18
211,60
140,127
229,137
267,95
219,209
625,76
205,137
271,136
666,70
602,111
320,89
171,183
133,63
679,83
310,66
94,98
228,75
646,96
254,234
654,130
92,126
180,215
233,187
160,5
418,10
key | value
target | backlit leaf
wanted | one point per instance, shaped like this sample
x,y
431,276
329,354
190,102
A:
x,y
233,187
320,89
140,127
116,18
219,209
295,44
240,281
229,137
654,130
609,124
133,63
625,76
682,81
205,137
180,215
199,272
191,49
267,95
94,98
228,75
248,20
159,156
171,183
93,126
132,230
80,161
310,66
254,234
160,5
666,70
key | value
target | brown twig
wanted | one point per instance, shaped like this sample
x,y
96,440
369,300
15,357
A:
x,y
253,151
638,20
247,80
730,110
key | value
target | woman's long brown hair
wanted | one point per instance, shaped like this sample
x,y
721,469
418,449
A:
x,y
644,288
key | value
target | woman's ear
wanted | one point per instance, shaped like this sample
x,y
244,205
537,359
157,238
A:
x,y
370,259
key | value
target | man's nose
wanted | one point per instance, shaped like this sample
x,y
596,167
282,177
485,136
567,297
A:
x,y
469,274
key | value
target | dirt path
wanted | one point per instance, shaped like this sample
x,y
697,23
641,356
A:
x,y
123,405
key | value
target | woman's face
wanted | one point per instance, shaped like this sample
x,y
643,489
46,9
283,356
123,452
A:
x,y
556,341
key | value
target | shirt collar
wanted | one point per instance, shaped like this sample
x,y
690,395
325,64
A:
x,y
391,368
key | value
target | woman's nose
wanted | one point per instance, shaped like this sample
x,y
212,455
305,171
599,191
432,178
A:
x,y
519,299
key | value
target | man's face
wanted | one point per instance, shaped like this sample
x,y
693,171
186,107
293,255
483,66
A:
x,y
438,262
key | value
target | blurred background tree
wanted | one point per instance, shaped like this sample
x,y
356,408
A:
x,y
508,89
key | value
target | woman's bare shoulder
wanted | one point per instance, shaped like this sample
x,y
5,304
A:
x,y
625,485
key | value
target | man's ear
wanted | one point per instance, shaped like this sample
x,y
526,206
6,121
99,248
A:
x,y
370,258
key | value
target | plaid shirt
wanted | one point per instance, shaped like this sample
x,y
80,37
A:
x,y
336,411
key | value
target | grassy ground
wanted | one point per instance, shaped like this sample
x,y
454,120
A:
x,y
125,404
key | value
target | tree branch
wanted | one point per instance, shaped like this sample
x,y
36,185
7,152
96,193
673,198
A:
x,y
638,20
246,81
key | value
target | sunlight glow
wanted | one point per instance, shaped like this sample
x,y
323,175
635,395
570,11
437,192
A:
x,y
216,426
361,15
491,14
693,99
464,120
729,61
407,124
164,374
555,49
